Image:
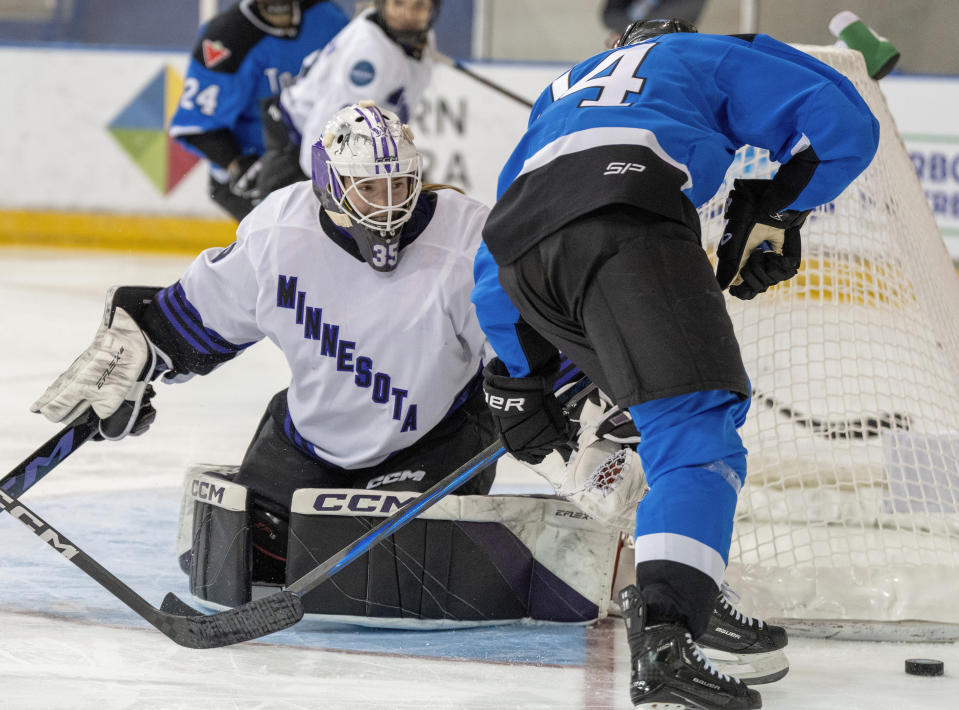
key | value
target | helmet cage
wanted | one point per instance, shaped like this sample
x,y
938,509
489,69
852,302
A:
x,y
385,216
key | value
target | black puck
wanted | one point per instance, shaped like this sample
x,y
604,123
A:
x,y
924,666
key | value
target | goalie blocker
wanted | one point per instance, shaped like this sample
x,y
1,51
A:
x,y
468,561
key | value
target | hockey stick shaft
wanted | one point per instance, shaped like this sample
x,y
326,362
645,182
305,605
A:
x,y
459,66
50,454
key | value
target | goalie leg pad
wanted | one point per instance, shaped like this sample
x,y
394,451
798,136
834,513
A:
x,y
467,561
214,536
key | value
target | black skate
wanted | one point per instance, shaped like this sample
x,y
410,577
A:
x,y
739,645
668,670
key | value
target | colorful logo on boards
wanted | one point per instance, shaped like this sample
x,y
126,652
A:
x,y
141,130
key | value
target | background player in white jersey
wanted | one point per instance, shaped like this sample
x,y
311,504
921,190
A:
x,y
382,55
243,56
593,248
362,278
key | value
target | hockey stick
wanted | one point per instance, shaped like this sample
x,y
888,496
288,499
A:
x,y
45,459
459,66
864,427
178,621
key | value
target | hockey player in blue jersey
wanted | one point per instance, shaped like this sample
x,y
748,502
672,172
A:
x,y
593,248
243,56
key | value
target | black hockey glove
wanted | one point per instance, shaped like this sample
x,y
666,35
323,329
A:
x,y
760,247
243,176
529,419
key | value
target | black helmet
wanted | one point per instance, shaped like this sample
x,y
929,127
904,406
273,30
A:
x,y
644,29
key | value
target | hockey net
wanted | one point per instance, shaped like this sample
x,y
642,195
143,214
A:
x,y
849,520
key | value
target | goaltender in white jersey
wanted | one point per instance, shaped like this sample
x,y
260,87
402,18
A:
x,y
362,278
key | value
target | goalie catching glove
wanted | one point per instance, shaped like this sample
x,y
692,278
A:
x,y
760,246
528,418
113,374
604,476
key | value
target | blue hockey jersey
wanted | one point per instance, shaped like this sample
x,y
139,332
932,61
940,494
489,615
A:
x,y
239,60
656,125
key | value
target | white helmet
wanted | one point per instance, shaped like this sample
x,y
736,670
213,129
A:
x,y
363,143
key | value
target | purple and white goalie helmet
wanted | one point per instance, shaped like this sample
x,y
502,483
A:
x,y
368,176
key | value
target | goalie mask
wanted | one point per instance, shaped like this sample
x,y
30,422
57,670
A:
x,y
367,174
408,21
644,29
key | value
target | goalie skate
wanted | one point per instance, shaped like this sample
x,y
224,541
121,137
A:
x,y
670,672
739,645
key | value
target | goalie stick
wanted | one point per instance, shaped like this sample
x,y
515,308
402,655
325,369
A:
x,y
188,627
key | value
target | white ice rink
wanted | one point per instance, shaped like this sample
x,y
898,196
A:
x,y
66,643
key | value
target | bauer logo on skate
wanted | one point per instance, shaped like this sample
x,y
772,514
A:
x,y
361,502
45,533
365,377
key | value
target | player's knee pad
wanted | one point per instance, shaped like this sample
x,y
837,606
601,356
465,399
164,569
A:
x,y
466,561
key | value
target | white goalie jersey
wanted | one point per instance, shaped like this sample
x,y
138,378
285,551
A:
x,y
360,63
377,359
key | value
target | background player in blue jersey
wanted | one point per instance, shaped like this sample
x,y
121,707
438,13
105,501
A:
x,y
593,248
244,55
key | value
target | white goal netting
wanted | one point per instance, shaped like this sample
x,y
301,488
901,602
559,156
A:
x,y
851,508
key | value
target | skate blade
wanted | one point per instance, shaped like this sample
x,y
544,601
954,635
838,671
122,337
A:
x,y
750,668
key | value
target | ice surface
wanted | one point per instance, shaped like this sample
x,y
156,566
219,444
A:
x,y
66,643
